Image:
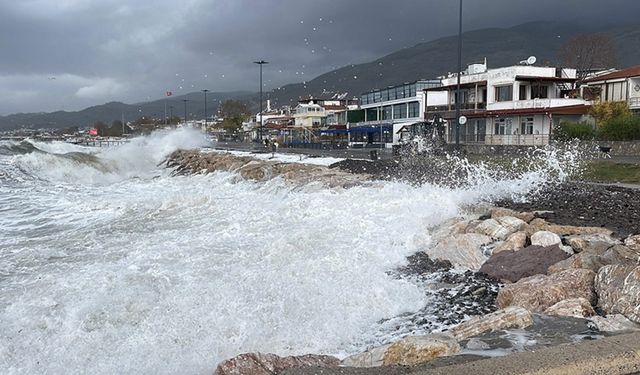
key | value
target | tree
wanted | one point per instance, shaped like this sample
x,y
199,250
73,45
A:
x,y
588,52
233,112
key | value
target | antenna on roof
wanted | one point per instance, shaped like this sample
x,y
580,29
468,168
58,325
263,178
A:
x,y
529,61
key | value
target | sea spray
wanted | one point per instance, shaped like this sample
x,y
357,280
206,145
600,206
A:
x,y
131,270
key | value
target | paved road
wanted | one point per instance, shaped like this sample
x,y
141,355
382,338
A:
x,y
351,153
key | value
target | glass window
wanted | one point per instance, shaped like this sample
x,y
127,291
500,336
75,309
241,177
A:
x,y
538,91
526,125
385,95
400,111
392,94
386,112
412,90
414,109
503,126
376,96
523,93
504,93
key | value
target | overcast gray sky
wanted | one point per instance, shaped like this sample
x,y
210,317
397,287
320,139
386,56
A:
x,y
70,54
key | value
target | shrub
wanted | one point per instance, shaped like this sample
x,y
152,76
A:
x,y
624,127
566,131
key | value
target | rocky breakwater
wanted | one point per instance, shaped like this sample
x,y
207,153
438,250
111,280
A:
x,y
544,270
184,162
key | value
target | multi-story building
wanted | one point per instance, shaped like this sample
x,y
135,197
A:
x,y
386,111
514,105
618,86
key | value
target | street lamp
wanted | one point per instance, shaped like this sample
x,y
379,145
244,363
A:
x,y
205,91
459,73
261,62
185,111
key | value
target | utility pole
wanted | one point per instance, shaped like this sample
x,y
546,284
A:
x,y
261,62
185,111
459,73
205,91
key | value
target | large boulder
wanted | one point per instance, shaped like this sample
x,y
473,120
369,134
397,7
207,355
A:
x,y
515,242
591,242
618,289
414,350
539,224
614,323
371,358
271,364
501,227
464,250
511,317
593,258
497,212
545,238
633,242
514,265
573,307
539,292
410,350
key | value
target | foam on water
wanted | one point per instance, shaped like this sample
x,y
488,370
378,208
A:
x,y
104,273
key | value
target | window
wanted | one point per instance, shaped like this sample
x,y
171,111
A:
x,y
414,109
523,93
526,126
400,111
504,93
386,112
385,95
392,94
503,126
541,92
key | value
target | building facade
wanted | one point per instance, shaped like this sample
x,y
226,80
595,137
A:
x,y
618,86
514,105
386,111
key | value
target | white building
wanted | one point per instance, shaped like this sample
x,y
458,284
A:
x,y
386,111
514,105
618,86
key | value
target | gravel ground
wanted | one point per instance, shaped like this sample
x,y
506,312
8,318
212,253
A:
x,y
573,203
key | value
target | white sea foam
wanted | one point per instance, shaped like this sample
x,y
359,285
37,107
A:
x,y
104,273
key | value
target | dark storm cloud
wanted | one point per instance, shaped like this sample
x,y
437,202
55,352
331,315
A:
x,y
68,54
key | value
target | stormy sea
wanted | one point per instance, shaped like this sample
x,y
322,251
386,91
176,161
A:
x,y
109,263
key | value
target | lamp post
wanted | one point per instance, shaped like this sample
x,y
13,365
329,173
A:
x,y
459,73
205,91
185,111
261,62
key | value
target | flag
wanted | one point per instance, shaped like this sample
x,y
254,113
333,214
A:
x,y
168,93
93,131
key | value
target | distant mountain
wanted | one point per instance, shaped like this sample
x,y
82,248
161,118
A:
x,y
501,47
116,110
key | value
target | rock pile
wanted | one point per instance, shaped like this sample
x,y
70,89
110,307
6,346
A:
x,y
184,162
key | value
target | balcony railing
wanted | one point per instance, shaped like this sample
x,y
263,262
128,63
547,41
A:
x,y
497,139
463,106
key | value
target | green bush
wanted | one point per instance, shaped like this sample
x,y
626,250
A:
x,y
566,131
624,127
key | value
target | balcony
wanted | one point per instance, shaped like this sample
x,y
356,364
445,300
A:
x,y
452,107
536,103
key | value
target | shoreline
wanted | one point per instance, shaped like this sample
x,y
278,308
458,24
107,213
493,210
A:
x,y
563,215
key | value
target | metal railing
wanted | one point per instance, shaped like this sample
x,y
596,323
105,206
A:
x,y
498,139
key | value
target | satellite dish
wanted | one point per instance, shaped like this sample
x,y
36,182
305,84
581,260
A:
x,y
531,60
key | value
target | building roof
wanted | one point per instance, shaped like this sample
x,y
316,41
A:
x,y
633,71
544,79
